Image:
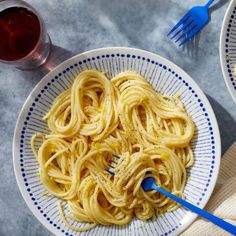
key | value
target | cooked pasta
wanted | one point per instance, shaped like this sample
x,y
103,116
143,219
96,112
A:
x,y
98,117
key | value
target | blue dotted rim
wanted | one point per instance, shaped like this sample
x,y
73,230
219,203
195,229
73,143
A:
x,y
229,70
46,87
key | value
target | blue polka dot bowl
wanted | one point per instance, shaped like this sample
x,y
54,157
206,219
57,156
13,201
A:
x,y
227,49
165,77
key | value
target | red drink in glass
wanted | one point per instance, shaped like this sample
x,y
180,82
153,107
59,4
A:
x,y
20,31
23,38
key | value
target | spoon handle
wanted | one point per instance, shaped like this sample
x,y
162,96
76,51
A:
x,y
221,223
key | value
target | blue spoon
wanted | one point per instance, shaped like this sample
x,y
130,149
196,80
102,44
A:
x,y
149,184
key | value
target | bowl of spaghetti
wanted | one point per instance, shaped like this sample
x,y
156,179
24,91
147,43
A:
x,y
122,101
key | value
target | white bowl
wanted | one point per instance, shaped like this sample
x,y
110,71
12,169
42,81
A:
x,y
228,48
167,78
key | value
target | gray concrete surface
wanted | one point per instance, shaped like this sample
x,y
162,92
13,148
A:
x,y
80,25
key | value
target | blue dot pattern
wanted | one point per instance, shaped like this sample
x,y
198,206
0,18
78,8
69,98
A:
x,y
227,56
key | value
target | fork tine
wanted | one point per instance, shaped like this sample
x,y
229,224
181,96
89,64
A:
x,y
186,32
181,21
190,36
111,166
111,161
109,172
115,156
184,26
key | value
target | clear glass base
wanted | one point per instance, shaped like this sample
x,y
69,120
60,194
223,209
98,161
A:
x,y
38,57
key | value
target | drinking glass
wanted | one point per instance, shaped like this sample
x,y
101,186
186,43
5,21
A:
x,y
24,41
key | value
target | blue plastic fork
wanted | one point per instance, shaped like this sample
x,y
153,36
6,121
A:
x,y
149,184
191,23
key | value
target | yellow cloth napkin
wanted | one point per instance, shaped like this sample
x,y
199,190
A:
x,y
223,200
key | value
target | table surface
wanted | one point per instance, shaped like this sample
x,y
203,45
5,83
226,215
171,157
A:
x,y
77,26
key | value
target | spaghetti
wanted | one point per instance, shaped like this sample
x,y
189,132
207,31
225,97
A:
x,y
98,117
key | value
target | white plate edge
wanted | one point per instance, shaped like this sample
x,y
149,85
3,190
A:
x,y
222,49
